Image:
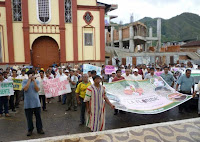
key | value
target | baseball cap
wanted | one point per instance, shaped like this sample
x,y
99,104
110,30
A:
x,y
135,70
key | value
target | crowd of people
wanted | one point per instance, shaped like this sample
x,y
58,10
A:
x,y
86,90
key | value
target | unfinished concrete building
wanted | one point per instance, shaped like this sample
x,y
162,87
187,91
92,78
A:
x,y
132,36
132,44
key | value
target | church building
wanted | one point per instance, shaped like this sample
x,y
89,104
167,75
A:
x,y
41,32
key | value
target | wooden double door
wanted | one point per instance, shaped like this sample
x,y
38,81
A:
x,y
45,52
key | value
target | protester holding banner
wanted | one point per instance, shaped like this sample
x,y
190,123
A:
x,y
32,103
41,92
136,75
59,74
3,99
71,98
186,83
80,91
118,78
64,97
151,74
95,99
13,103
168,77
197,89
128,75
112,77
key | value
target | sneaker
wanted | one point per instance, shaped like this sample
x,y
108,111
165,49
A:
x,y
40,132
29,133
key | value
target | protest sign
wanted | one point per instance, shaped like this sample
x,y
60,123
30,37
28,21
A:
x,y
56,87
109,69
6,89
144,97
17,84
123,71
159,73
88,67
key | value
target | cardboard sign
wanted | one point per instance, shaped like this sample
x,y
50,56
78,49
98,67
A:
x,y
17,84
6,89
109,69
88,67
56,87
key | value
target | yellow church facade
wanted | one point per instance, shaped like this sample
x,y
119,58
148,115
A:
x,y
41,32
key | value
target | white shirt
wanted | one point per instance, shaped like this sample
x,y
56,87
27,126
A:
x,y
197,87
144,71
41,92
138,77
59,75
129,77
110,79
23,77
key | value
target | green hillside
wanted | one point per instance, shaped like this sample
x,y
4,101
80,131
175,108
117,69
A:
x,y
182,27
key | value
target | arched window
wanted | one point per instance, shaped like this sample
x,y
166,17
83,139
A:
x,y
44,11
17,10
68,11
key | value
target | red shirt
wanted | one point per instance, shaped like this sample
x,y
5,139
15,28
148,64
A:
x,y
118,79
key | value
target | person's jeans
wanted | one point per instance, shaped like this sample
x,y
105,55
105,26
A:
x,y
4,104
64,97
71,99
29,118
43,100
11,102
83,105
18,95
185,105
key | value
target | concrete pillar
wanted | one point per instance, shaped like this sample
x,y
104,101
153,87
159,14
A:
x,y
151,35
106,31
146,47
120,39
150,32
131,39
112,36
159,33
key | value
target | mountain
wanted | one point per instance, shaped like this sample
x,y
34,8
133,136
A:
x,y
182,27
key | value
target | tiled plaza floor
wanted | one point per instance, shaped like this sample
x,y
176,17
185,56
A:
x,y
177,131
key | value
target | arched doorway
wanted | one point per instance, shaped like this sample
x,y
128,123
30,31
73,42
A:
x,y
45,52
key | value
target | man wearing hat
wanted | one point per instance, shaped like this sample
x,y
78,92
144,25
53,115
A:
x,y
136,76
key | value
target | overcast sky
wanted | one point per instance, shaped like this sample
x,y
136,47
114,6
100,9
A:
x,y
152,8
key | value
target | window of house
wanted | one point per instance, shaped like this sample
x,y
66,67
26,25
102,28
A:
x,y
68,11
88,39
17,10
44,11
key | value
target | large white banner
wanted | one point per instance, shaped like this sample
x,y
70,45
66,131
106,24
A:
x,y
144,97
